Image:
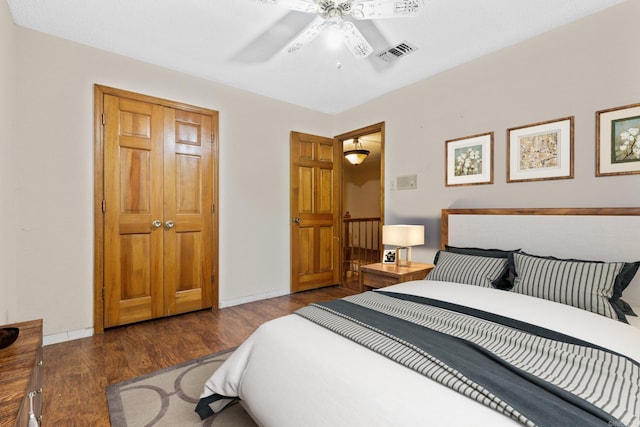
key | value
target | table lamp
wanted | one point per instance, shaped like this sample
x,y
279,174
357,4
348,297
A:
x,y
403,237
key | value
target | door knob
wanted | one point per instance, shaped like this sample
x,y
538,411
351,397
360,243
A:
x,y
169,224
297,220
156,224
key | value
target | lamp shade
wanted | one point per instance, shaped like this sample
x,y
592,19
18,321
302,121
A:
x,y
403,235
358,154
355,157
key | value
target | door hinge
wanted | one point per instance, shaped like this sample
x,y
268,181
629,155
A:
x,y
104,205
213,208
103,120
102,293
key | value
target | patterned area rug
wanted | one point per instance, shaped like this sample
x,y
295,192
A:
x,y
168,397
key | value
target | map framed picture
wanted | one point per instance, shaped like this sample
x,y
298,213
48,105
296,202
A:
x,y
540,151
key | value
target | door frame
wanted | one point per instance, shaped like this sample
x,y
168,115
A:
x,y
98,190
377,127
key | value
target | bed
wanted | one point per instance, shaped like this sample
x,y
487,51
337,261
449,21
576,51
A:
x,y
365,361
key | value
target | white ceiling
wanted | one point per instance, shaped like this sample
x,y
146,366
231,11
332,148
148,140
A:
x,y
238,42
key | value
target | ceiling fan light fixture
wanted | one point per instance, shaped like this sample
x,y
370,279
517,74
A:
x,y
407,7
358,154
367,9
330,14
334,33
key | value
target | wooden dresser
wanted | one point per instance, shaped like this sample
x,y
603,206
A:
x,y
21,373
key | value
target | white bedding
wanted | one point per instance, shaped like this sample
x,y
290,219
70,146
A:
x,y
291,372
634,320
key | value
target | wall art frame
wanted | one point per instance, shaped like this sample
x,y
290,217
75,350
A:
x,y
540,151
618,141
389,256
469,160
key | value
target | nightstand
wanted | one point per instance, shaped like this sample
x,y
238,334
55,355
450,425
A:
x,y
374,276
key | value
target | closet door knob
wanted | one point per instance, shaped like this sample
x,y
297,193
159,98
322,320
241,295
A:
x,y
169,224
156,224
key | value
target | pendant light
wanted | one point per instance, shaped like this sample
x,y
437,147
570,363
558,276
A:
x,y
358,154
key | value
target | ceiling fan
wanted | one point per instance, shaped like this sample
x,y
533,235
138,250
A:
x,y
331,13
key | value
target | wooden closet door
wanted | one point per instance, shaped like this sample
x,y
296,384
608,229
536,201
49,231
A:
x,y
158,217
187,211
133,200
156,234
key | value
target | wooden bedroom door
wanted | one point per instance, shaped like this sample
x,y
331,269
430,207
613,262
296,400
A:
x,y
158,211
315,200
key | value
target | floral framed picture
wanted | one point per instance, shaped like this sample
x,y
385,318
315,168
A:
x,y
540,151
469,160
618,141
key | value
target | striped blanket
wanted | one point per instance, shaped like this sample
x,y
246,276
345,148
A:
x,y
533,375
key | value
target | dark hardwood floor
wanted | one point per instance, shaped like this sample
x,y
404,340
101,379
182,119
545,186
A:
x,y
77,372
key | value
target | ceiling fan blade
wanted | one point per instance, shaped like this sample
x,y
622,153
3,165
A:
x,y
269,42
307,6
307,35
374,9
355,41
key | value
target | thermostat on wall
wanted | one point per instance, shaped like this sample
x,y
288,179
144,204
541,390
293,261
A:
x,y
407,182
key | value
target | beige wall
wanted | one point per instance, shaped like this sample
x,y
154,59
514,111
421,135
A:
x,y
55,157
577,70
8,181
361,190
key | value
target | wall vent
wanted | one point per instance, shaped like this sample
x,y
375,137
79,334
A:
x,y
396,52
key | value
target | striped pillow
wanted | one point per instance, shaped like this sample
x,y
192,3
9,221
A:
x,y
586,285
468,269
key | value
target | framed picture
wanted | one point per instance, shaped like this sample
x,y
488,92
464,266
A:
x,y
469,160
618,141
389,256
540,151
